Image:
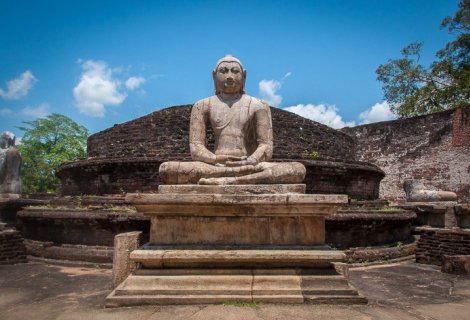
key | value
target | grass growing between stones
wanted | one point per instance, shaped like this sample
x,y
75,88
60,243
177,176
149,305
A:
x,y
246,304
388,209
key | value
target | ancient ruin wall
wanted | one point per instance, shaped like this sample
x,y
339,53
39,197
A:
x,y
433,147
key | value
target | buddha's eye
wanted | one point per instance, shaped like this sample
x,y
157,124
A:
x,y
235,70
223,70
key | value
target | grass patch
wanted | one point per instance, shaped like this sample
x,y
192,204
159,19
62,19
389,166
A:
x,y
388,209
246,304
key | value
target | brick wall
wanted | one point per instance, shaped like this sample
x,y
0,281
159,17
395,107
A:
x,y
433,147
461,127
12,249
434,243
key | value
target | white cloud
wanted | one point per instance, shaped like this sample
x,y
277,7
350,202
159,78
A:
x,y
288,74
97,88
5,111
134,82
36,112
19,87
378,112
268,89
326,114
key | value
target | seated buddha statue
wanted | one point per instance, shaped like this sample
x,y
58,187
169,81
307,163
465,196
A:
x,y
243,134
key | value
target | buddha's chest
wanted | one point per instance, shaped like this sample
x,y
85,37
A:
x,y
235,117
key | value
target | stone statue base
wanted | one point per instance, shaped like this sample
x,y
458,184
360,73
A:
x,y
235,245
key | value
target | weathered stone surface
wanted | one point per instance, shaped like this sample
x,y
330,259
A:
x,y
229,205
456,264
232,189
124,244
281,219
10,164
233,258
238,230
416,191
95,254
441,214
287,286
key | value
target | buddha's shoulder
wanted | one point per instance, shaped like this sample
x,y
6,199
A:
x,y
203,104
204,101
258,103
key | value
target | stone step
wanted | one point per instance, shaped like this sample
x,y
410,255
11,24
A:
x,y
139,300
336,299
235,258
312,273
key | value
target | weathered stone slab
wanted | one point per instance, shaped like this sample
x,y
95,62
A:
x,y
236,205
232,189
251,285
456,264
235,258
124,244
242,230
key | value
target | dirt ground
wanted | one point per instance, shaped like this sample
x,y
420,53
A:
x,y
398,291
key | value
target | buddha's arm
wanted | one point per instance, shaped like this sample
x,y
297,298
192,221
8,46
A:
x,y
264,134
197,134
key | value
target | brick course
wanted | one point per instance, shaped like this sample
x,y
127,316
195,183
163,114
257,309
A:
x,y
435,243
12,249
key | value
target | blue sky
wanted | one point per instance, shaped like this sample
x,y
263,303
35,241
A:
x,y
107,62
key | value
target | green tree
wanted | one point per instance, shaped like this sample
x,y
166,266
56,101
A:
x,y
47,143
412,89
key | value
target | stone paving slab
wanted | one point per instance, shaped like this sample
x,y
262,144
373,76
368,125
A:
x,y
399,291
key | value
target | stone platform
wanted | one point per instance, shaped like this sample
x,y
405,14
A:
x,y
208,286
210,247
237,219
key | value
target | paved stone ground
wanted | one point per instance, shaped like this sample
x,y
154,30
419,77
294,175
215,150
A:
x,y
400,291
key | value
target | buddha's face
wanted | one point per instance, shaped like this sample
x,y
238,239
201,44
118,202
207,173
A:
x,y
229,78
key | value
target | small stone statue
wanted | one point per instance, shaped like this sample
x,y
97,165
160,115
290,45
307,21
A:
x,y
10,164
243,132
416,191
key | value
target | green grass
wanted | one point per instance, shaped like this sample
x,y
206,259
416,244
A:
x,y
388,209
247,304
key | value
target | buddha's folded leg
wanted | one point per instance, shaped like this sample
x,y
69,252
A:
x,y
272,173
173,172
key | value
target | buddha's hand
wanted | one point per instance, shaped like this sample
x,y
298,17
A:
x,y
222,159
250,161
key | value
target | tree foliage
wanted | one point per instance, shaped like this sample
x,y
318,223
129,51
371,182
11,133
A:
x,y
412,89
47,143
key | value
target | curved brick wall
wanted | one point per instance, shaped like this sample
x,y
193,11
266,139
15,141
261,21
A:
x,y
165,134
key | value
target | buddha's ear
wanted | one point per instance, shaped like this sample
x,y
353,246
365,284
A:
x,y
213,73
244,74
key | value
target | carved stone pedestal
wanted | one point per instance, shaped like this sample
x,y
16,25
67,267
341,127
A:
x,y
211,247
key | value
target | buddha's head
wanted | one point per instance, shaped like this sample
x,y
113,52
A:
x,y
7,140
229,76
